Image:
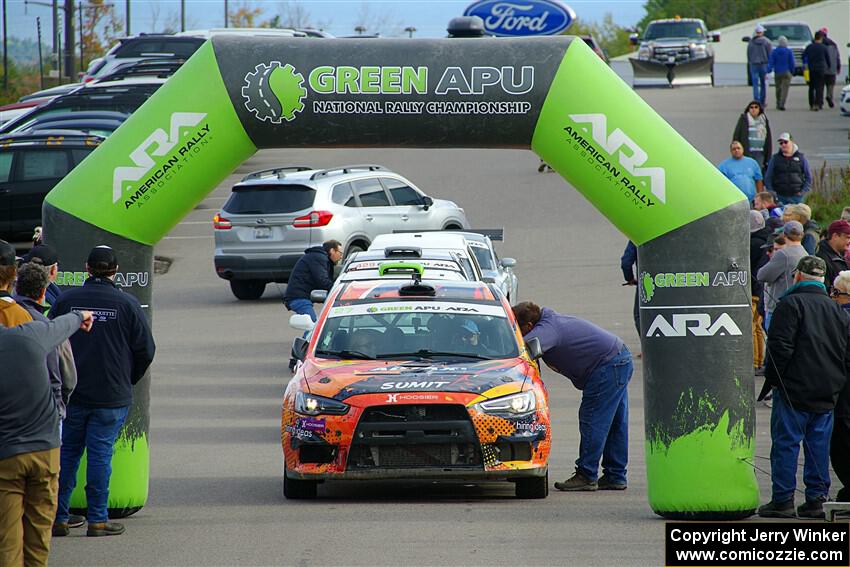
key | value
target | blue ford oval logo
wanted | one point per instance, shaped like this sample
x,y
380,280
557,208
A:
x,y
522,17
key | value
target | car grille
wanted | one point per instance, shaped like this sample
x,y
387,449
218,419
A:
x,y
798,56
414,436
680,54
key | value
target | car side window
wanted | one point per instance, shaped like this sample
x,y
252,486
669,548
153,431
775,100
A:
x,y
42,164
402,193
5,166
343,195
371,193
80,155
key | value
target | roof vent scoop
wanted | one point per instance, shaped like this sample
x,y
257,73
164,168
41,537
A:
x,y
417,288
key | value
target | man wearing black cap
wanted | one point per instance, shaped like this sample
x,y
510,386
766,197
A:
x,y
807,365
11,313
109,362
46,256
832,250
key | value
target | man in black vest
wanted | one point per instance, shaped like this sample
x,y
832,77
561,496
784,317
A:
x,y
788,174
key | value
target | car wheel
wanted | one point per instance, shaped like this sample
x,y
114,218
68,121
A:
x,y
247,289
353,249
533,487
295,489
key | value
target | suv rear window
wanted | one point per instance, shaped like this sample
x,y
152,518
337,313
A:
x,y
342,195
42,164
269,199
179,48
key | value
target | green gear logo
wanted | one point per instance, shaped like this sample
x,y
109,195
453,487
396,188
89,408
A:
x,y
274,92
647,287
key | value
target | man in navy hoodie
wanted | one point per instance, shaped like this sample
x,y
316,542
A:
x,y
313,270
110,361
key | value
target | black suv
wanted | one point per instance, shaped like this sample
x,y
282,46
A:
x,y
31,164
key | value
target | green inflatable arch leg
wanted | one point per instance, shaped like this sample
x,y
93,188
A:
x,y
554,95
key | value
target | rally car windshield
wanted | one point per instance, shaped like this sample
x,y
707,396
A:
x,y
398,330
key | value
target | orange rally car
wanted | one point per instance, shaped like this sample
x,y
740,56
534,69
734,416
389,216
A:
x,y
416,379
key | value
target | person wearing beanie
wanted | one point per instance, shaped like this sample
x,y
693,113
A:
x,y
832,250
758,56
806,368
110,361
781,64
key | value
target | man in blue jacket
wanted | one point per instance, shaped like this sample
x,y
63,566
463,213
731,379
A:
x,y
110,361
781,64
313,270
600,365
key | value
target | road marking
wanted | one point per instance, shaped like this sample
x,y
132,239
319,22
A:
x,y
697,306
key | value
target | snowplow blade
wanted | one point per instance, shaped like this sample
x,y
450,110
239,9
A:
x,y
697,72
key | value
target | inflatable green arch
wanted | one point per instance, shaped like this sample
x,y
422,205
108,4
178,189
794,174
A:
x,y
553,95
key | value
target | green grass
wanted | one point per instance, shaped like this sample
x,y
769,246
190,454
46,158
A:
x,y
830,193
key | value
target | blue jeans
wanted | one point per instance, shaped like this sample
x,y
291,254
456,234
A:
x,y
789,199
789,427
604,420
757,75
95,430
302,307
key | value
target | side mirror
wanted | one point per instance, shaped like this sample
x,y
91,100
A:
x,y
301,322
427,202
508,262
299,348
746,38
318,296
633,38
535,351
715,37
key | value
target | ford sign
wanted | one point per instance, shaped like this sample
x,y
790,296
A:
x,y
524,17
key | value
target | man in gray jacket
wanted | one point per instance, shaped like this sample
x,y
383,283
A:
x,y
832,70
30,288
778,274
758,56
29,437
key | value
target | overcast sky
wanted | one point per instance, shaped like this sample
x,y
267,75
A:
x,y
338,17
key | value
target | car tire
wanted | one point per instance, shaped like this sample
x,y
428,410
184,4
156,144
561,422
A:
x,y
247,289
354,248
533,487
295,489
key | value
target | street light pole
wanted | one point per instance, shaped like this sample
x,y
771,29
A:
x,y
225,13
127,15
410,30
360,29
182,15
69,38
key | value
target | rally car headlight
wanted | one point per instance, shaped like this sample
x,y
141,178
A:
x,y
514,405
308,404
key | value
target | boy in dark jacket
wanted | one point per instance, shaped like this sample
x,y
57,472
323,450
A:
x,y
807,365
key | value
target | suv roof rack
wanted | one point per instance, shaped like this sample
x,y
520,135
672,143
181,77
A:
x,y
342,170
494,234
391,251
280,172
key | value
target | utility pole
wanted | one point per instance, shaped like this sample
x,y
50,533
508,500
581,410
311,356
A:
x,y
182,15
127,15
57,43
69,39
40,62
6,52
225,13
82,63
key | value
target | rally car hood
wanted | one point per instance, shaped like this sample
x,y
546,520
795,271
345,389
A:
x,y
341,380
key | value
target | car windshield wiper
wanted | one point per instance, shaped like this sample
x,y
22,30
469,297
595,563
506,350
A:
x,y
425,353
345,354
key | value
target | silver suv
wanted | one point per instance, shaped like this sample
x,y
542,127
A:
x,y
272,216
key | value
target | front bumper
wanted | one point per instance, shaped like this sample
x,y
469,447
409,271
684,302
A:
x,y
478,474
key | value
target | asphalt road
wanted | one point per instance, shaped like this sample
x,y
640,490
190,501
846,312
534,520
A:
x,y
220,371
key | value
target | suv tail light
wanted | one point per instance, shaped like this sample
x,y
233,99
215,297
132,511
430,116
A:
x,y
221,223
313,218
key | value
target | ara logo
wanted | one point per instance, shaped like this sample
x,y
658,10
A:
x,y
631,156
274,92
163,141
531,17
698,324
